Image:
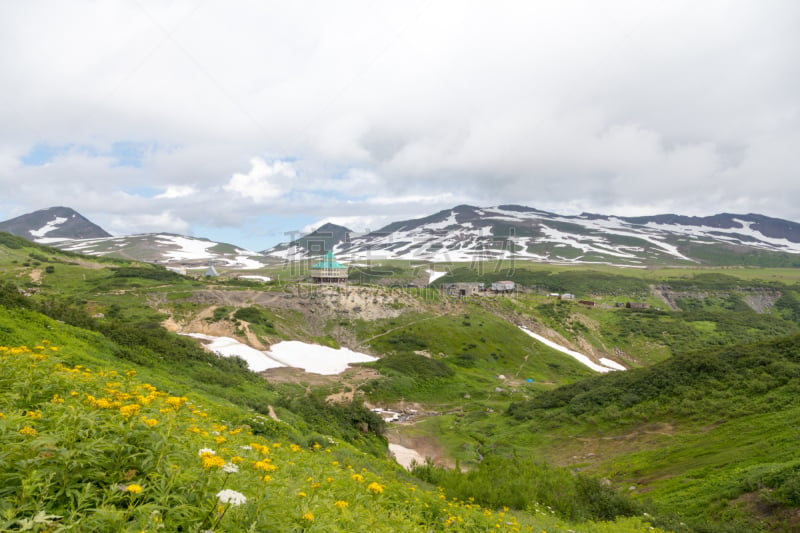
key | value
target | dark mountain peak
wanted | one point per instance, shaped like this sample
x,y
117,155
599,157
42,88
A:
x,y
330,226
322,239
53,223
593,216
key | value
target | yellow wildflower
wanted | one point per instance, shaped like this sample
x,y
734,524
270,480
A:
x,y
35,415
129,410
341,504
265,465
134,488
212,461
309,516
301,494
151,422
27,430
295,447
237,459
102,403
375,488
56,399
220,439
260,448
358,477
176,401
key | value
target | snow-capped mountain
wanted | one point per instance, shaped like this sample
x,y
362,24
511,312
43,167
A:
x,y
167,249
467,233
64,228
54,224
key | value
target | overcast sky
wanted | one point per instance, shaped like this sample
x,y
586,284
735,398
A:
x,y
240,121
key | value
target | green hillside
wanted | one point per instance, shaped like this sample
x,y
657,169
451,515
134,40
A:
x,y
700,434
112,424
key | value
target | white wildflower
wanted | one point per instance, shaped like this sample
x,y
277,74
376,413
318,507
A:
x,y
204,451
231,496
230,468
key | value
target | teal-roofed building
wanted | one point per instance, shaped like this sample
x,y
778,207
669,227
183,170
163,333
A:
x,y
329,270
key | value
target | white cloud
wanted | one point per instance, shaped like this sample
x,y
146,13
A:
x,y
264,182
164,222
400,109
176,191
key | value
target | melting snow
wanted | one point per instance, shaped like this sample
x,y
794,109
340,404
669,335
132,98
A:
x,y
581,358
189,248
257,278
47,228
257,361
450,221
434,275
310,357
315,358
612,364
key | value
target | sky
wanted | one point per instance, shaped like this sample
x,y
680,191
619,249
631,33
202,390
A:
x,y
252,122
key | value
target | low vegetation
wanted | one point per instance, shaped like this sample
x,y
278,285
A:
x,y
701,433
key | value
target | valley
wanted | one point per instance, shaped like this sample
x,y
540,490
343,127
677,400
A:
x,y
688,394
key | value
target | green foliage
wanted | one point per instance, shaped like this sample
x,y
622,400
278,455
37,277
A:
x,y
10,295
733,323
89,449
414,365
150,272
255,316
349,421
690,384
528,484
12,241
731,256
789,306
405,342
221,313
584,282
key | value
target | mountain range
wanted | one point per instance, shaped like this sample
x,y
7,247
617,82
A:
x,y
468,233
461,234
66,229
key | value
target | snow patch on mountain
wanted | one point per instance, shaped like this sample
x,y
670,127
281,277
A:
x,y
309,357
47,228
581,358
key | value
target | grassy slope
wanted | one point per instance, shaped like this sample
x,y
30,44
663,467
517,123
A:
x,y
694,433
662,451
477,345
95,448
